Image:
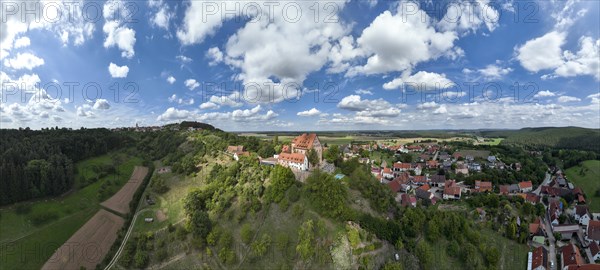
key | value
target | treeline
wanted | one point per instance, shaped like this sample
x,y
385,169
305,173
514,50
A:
x,y
40,163
555,137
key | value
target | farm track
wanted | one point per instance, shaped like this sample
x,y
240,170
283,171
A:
x,y
89,245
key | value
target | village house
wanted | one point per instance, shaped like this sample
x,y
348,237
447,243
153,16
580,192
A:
x,y
432,164
423,192
394,185
402,167
566,231
554,211
438,180
232,149
532,198
475,167
408,200
536,228
451,190
579,194
296,161
539,259
387,173
419,180
582,214
570,256
462,169
483,186
593,231
525,186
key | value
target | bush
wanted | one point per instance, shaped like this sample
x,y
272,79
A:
x,y
141,259
284,205
293,193
246,233
297,210
43,217
226,255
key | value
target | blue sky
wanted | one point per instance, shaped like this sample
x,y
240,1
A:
x,y
305,65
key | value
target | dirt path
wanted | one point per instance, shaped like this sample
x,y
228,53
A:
x,y
120,201
170,261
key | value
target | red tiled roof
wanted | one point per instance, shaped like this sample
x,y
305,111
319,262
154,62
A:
x,y
425,187
432,163
235,148
539,258
387,170
532,198
402,165
504,189
394,185
403,178
304,141
483,184
419,179
525,184
571,255
294,157
450,188
581,209
593,230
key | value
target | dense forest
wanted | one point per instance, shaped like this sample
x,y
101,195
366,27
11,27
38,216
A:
x,y
554,137
40,163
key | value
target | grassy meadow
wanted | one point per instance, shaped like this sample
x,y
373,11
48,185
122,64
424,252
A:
x,y
588,178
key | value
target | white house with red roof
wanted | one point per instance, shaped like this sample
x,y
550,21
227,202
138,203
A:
x,y
525,186
296,161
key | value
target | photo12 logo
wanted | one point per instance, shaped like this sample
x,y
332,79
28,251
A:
x,y
54,91
48,12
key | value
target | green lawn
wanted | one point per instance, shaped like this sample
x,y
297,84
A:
x,y
494,141
71,211
589,181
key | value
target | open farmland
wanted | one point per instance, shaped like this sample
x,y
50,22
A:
x,y
64,214
120,201
88,246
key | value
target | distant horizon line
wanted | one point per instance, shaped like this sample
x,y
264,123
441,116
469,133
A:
x,y
314,131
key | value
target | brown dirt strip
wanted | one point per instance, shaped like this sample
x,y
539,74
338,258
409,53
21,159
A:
x,y
88,246
120,201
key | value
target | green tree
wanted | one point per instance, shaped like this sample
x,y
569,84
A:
x,y
281,178
511,230
332,153
306,240
313,157
199,224
260,247
327,194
